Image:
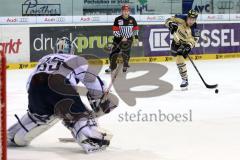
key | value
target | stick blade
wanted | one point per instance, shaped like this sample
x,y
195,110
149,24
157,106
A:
x,y
67,140
211,86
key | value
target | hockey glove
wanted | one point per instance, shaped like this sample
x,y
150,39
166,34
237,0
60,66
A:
x,y
173,27
184,50
100,104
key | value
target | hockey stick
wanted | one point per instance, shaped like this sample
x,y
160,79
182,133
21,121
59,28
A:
x,y
124,45
207,85
67,140
72,140
114,76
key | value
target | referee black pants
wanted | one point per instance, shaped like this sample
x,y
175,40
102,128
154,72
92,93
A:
x,y
123,48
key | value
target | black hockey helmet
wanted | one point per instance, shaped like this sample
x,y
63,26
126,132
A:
x,y
192,14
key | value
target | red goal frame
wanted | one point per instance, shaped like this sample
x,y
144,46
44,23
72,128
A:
x,y
3,107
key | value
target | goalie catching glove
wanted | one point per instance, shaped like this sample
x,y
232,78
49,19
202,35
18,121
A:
x,y
102,105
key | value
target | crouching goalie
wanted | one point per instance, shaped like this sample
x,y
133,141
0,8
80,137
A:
x,y
184,29
53,96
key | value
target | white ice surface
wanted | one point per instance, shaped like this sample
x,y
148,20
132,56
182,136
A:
x,y
214,133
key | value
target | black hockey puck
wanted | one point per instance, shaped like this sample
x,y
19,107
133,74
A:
x,y
216,91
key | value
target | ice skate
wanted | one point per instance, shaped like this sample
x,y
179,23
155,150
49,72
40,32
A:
x,y
184,85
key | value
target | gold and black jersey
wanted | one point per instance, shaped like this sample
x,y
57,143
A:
x,y
184,34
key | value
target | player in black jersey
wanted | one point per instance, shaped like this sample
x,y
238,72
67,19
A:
x,y
125,31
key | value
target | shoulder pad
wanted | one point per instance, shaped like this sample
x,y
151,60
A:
x,y
194,25
181,16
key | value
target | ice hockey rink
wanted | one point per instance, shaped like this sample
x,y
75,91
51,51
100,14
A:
x,y
213,133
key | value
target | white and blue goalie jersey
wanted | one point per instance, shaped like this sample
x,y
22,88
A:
x,y
74,68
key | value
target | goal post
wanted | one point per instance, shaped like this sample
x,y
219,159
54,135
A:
x,y
3,138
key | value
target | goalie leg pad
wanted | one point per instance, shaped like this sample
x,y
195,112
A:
x,y
88,135
29,127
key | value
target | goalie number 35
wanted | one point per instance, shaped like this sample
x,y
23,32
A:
x,y
50,64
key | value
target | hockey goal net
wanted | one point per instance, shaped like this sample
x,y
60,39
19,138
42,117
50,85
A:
x,y
3,135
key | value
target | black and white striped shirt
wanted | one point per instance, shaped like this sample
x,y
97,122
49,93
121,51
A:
x,y
125,27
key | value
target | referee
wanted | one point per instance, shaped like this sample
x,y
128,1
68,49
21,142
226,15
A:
x,y
125,31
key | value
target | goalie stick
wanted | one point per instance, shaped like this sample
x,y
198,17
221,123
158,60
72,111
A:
x,y
113,78
114,75
123,45
72,140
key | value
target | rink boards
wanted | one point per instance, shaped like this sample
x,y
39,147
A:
x,y
24,45
27,65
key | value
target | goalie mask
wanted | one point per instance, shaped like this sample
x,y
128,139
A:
x,y
64,45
